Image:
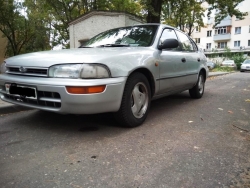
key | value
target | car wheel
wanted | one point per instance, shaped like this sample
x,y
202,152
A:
x,y
197,91
135,101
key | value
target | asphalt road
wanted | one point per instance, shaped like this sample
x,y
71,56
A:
x,y
183,143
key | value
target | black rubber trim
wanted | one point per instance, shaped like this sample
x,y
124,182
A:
x,y
176,76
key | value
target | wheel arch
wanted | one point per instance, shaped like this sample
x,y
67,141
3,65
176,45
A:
x,y
149,77
204,72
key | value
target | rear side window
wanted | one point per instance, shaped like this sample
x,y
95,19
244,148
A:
x,y
185,42
169,34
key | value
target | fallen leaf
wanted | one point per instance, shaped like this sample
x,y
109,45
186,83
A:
x,y
220,108
230,112
190,122
247,100
195,147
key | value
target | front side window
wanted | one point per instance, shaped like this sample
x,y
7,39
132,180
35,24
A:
x,y
169,34
237,30
127,36
186,43
236,43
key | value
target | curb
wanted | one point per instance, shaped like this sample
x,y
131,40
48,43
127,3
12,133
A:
x,y
219,74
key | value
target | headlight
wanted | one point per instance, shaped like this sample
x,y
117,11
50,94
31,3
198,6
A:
x,y
3,68
79,71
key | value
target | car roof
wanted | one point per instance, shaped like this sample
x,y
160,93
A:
x,y
162,25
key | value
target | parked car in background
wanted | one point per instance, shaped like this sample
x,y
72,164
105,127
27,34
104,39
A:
x,y
245,66
119,71
228,63
210,65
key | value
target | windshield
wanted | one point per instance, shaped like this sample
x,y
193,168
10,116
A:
x,y
247,62
126,36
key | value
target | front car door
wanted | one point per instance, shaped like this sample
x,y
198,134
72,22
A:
x,y
172,65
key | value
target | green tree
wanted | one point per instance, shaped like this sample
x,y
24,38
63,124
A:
x,y
153,8
65,11
21,30
178,14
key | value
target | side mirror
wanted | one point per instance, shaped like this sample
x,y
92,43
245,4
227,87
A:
x,y
169,43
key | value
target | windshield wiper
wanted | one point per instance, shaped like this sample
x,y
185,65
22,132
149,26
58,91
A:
x,y
114,45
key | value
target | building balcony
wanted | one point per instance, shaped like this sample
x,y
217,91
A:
x,y
222,37
225,22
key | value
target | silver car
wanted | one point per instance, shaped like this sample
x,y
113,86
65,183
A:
x,y
120,71
210,65
245,66
228,63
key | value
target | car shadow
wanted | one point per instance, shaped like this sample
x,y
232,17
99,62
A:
x,y
43,120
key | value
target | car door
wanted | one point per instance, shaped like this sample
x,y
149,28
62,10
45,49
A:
x,y
192,57
172,65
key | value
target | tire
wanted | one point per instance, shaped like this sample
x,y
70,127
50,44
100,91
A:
x,y
197,91
136,101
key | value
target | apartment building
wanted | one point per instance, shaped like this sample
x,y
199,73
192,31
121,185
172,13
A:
x,y
231,32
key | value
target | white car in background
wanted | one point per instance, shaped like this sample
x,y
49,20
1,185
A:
x,y
228,63
245,66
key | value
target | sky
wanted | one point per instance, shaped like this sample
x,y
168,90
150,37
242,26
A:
x,y
244,6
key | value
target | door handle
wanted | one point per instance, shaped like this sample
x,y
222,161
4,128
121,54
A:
x,y
199,59
183,60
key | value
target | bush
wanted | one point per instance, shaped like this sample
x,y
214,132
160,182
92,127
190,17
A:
x,y
222,69
238,59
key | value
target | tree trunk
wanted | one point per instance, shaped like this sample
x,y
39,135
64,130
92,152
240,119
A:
x,y
154,13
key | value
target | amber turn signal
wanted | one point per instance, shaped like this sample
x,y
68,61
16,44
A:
x,y
85,89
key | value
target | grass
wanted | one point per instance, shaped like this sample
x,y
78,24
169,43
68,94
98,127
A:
x,y
218,68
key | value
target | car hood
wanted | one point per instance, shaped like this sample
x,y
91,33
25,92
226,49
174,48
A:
x,y
79,55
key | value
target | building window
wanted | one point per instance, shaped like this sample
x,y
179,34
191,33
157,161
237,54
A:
x,y
248,42
197,40
249,29
221,30
237,30
222,44
197,29
209,33
208,46
236,43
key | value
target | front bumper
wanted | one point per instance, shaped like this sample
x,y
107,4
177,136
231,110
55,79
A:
x,y
244,69
53,96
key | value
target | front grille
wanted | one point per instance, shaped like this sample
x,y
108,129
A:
x,y
44,99
31,71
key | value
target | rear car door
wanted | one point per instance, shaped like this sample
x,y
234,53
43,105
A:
x,y
192,58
